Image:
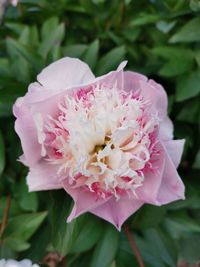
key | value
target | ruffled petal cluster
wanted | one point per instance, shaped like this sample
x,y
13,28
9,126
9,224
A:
x,y
107,140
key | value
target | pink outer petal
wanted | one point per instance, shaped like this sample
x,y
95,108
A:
x,y
24,127
166,129
116,212
152,180
150,90
64,73
43,176
84,200
172,187
39,92
174,149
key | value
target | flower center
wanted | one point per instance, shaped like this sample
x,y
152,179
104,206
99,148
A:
x,y
103,140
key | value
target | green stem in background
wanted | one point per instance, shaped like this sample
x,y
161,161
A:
x,y
133,246
5,215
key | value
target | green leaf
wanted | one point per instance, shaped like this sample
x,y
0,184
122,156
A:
x,y
179,60
76,50
14,207
197,161
20,69
4,67
49,25
15,48
89,234
106,248
131,33
110,60
157,248
165,26
179,227
189,248
61,232
190,32
91,54
27,201
52,35
16,244
195,5
2,154
190,111
23,226
144,19
39,243
75,237
150,216
188,86
6,252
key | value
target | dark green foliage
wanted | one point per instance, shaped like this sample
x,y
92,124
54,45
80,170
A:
x,y
158,38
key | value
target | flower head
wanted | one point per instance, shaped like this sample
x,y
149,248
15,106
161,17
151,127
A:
x,y
107,141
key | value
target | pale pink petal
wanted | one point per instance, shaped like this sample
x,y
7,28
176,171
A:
x,y
152,180
84,200
132,80
166,129
116,212
65,73
43,176
39,92
175,150
150,91
172,187
158,97
24,127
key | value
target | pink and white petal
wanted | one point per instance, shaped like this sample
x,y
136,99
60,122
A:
x,y
25,128
116,212
84,200
166,129
152,180
65,73
43,176
175,150
172,187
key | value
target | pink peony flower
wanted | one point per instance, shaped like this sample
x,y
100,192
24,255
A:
x,y
107,141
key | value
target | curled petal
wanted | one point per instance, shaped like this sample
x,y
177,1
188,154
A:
x,y
65,73
174,148
43,176
149,190
172,187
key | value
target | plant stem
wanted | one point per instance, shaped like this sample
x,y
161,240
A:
x,y
133,246
5,215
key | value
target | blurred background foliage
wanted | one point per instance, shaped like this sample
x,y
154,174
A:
x,y
158,38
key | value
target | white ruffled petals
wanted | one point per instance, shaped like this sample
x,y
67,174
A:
x,y
101,139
